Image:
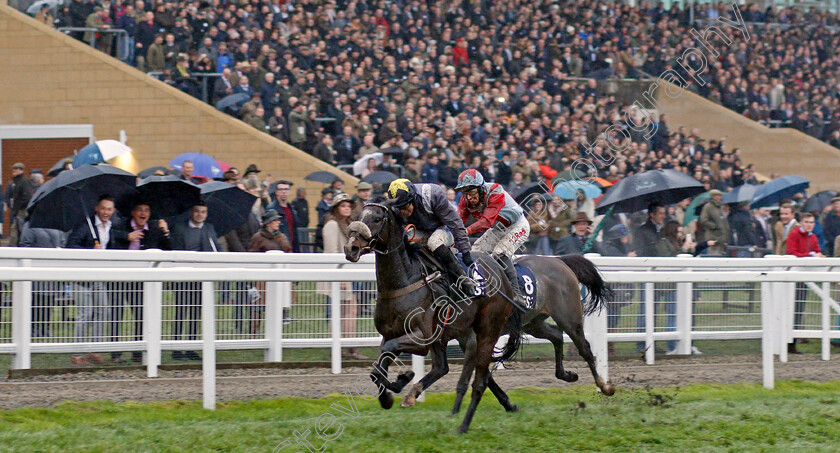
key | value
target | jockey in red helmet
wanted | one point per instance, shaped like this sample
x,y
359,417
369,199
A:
x,y
500,218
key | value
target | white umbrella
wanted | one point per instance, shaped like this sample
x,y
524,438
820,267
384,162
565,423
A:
x,y
35,7
360,165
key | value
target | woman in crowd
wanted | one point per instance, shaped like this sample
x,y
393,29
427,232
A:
x,y
335,237
538,218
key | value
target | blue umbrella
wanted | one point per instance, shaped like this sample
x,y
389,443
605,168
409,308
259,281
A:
x,y
68,199
381,177
99,151
774,191
321,176
567,190
203,164
228,206
740,194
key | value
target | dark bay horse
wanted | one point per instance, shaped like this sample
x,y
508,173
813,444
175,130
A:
x,y
558,298
415,316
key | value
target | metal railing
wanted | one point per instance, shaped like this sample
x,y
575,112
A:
x,y
122,40
151,301
203,76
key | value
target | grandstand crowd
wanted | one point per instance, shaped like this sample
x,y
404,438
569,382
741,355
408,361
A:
x,y
408,70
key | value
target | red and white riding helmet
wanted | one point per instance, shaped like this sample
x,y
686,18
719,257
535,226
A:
x,y
470,179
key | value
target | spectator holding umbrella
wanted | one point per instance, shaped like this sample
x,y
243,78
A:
x,y
135,233
195,234
95,233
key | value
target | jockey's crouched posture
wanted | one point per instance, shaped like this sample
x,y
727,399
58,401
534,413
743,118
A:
x,y
426,206
500,218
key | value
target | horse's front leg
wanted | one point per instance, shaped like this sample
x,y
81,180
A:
x,y
440,367
388,353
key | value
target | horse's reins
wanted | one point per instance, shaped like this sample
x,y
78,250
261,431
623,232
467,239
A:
x,y
372,243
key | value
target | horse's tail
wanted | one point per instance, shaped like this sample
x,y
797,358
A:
x,y
589,276
513,327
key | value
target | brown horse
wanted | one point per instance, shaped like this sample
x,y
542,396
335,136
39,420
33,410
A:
x,y
558,298
415,316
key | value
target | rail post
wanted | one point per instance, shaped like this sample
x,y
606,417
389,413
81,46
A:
x,y
650,348
208,333
152,331
335,326
22,321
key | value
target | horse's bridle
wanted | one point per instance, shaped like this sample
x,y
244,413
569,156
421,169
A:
x,y
374,239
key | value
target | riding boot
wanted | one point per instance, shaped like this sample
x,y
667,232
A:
x,y
510,271
455,271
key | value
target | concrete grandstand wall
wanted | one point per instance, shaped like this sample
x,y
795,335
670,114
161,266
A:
x,y
785,151
50,78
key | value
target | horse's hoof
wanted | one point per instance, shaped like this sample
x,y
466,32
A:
x,y
608,390
386,400
568,376
406,377
514,409
453,413
463,429
408,401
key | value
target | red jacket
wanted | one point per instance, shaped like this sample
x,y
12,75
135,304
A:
x,y
499,207
802,244
460,56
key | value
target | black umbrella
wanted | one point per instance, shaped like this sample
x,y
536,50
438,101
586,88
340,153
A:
x,y
636,192
228,206
522,194
68,199
819,201
777,189
381,177
152,170
321,176
167,195
740,194
59,166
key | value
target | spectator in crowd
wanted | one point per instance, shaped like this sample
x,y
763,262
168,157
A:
x,y
43,293
617,242
802,242
269,236
92,312
18,193
572,244
290,218
538,218
135,233
194,234
325,204
363,192
300,208
187,168
786,223
714,222
831,225
101,20
335,235
647,235
561,215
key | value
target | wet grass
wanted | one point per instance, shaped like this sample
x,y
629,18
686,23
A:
x,y
796,416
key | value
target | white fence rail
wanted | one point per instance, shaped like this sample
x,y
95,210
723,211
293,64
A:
x,y
141,299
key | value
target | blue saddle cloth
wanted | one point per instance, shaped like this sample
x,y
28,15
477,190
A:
x,y
527,283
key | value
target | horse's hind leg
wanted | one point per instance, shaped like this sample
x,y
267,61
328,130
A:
x,y
440,368
553,334
484,354
468,345
575,330
500,394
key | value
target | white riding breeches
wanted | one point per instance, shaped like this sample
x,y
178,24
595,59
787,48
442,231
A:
x,y
500,240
